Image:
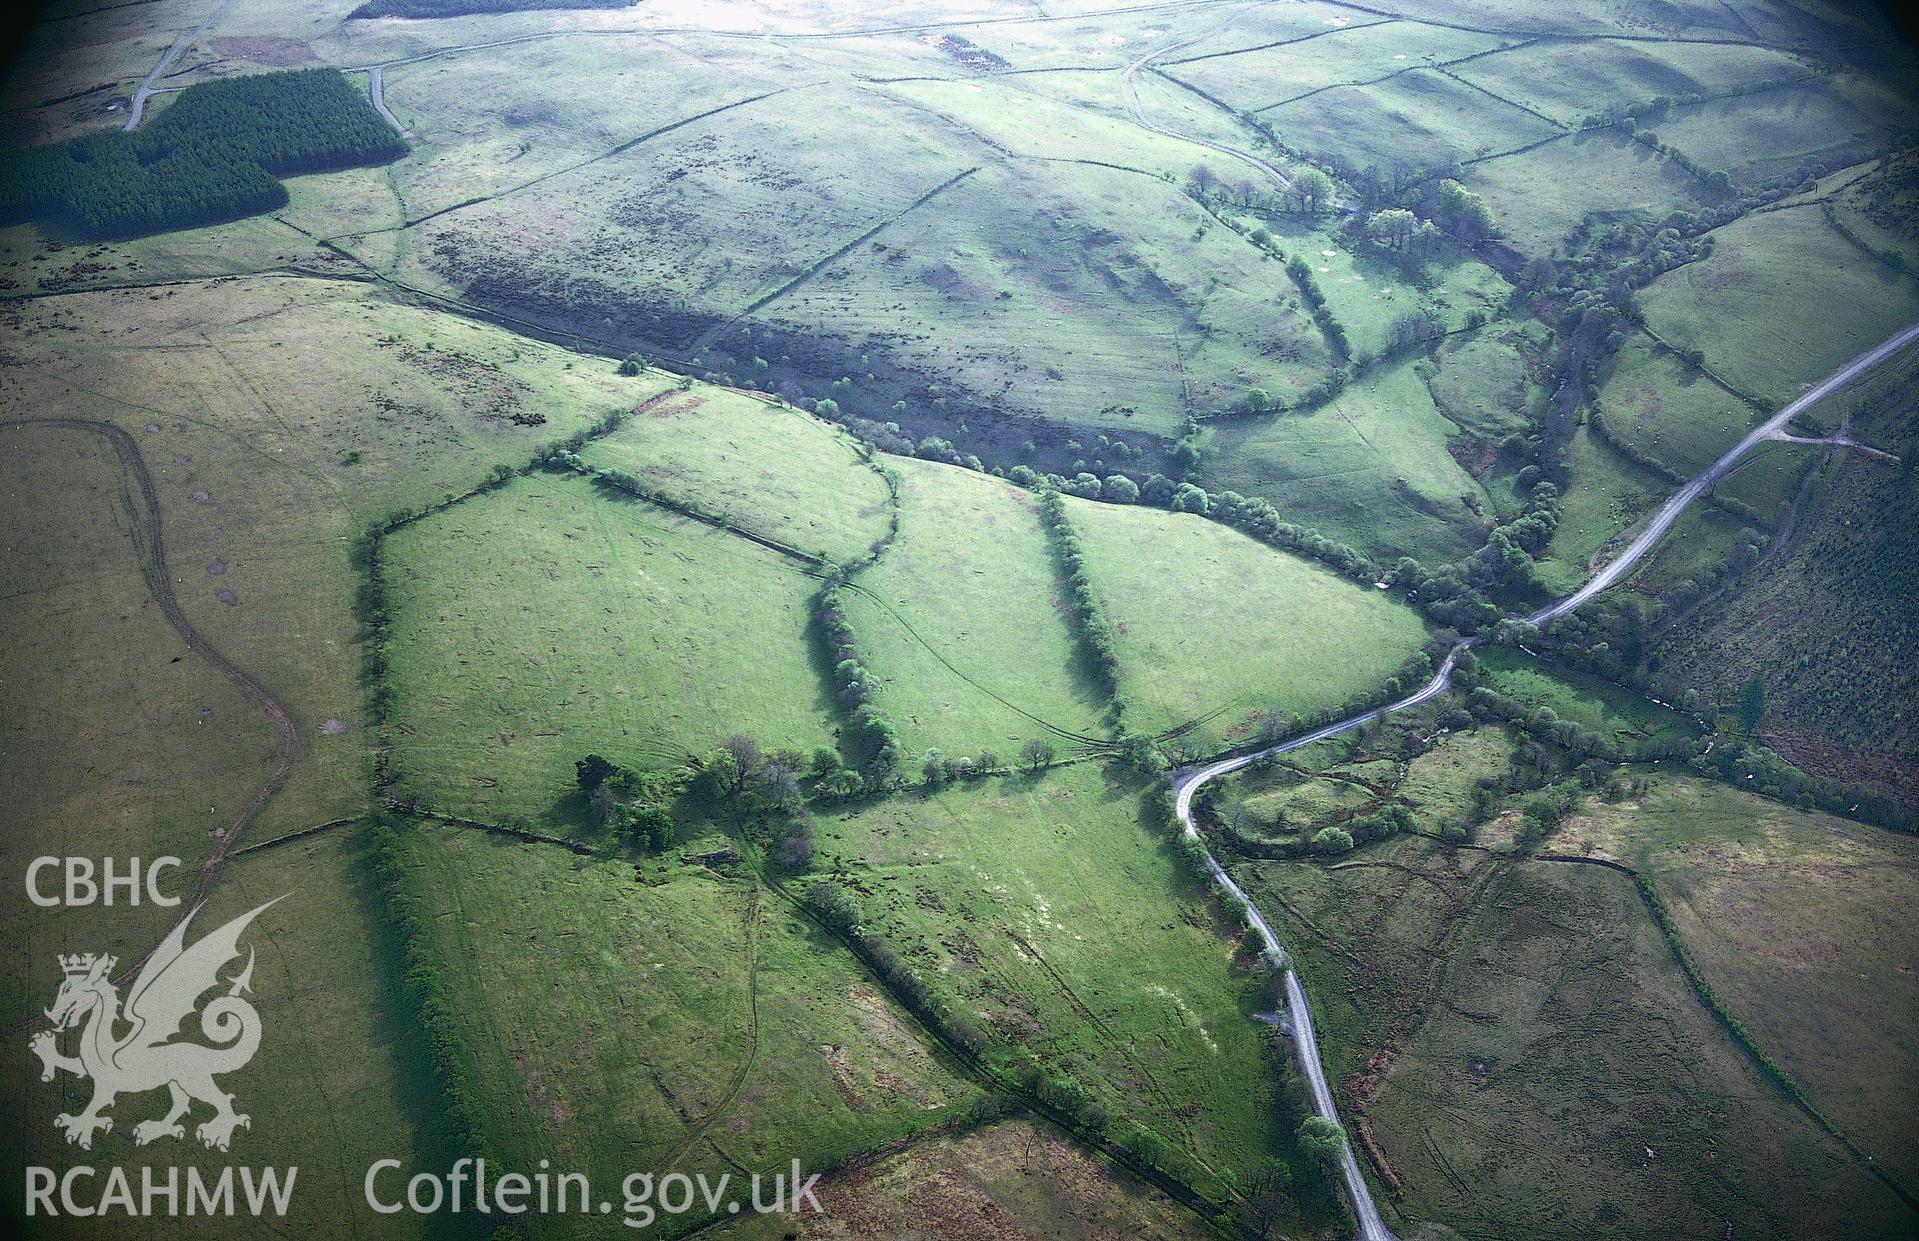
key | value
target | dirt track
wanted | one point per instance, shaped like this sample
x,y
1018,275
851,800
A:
x,y
150,549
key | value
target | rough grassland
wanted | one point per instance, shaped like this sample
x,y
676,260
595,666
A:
x,y
115,740
596,248
1781,302
618,627
1259,80
1802,923
1014,1175
1370,468
1570,80
341,1078
1010,115
1565,1046
964,611
279,418
1839,697
706,1025
1214,626
772,470
1069,293
1047,911
1420,119
1764,135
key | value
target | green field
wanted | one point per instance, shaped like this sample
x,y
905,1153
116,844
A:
x,y
1372,467
962,624
1067,931
1365,293
1774,132
1215,628
1541,195
864,267
1812,302
1484,384
1668,411
708,1025
771,470
1595,705
620,628
1607,496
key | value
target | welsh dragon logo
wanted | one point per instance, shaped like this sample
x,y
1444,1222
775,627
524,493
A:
x,y
134,1051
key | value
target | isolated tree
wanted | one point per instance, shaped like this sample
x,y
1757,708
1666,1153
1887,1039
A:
x,y
650,827
593,771
1036,755
1191,498
1258,400
1202,179
1313,188
1321,1140
1333,840
796,849
1147,1144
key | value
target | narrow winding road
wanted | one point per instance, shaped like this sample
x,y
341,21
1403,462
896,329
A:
x,y
1188,782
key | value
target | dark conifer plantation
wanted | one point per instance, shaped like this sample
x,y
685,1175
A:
x,y
216,153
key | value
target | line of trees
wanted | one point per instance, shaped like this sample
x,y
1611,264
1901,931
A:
x,y
435,1003
876,739
1302,273
1069,556
839,909
216,153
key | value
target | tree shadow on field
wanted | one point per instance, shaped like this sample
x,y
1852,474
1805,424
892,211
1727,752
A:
x,y
417,1087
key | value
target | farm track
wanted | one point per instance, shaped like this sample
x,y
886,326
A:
x,y
151,552
1188,782
1139,110
145,89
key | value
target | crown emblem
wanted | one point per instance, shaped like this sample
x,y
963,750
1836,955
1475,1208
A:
x,y
80,964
